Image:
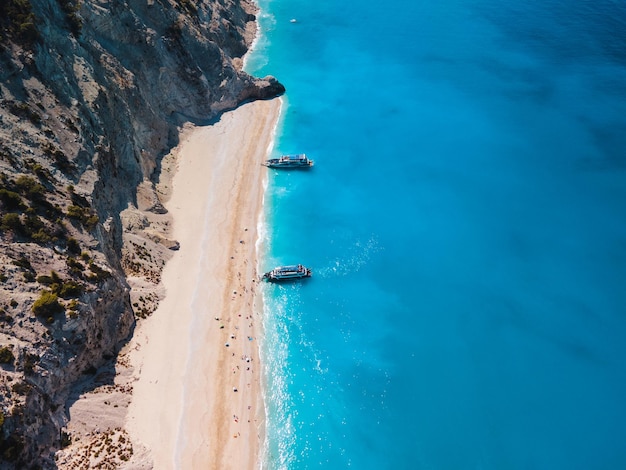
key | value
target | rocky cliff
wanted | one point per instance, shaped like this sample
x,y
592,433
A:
x,y
92,95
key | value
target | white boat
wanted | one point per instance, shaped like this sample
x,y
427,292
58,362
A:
x,y
287,273
290,161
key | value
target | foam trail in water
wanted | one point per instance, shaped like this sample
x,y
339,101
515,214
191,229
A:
x,y
358,256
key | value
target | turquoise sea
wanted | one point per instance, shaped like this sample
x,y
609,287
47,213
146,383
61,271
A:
x,y
466,224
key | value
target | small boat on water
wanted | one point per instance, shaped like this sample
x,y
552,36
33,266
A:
x,y
287,273
289,161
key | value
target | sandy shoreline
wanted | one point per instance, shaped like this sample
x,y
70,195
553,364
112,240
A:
x,y
201,344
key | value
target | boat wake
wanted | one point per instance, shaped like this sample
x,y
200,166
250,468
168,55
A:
x,y
357,257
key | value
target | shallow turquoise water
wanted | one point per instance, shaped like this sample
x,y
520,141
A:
x,y
466,225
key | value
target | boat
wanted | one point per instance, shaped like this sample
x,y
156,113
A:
x,y
290,161
287,273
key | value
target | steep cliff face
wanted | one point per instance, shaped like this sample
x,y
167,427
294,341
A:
x,y
92,94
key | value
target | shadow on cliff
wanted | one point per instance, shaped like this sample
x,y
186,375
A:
x,y
271,89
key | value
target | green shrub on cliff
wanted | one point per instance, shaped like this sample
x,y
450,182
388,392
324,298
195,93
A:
x,y
99,274
87,218
11,222
47,304
30,187
70,289
56,285
73,246
60,159
11,200
18,22
6,355
76,267
70,8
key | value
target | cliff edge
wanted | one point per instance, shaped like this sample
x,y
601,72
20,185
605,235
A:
x,y
93,94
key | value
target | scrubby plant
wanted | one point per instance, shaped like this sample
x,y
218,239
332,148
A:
x,y
42,236
73,246
30,361
76,267
11,222
99,274
23,263
47,304
6,355
32,223
64,289
18,21
11,200
71,8
84,215
21,388
50,280
70,289
30,187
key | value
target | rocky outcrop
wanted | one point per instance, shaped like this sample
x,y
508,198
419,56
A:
x,y
92,96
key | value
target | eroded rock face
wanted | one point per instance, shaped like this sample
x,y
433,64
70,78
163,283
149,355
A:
x,y
89,103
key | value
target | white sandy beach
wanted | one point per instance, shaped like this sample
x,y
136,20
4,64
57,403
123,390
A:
x,y
201,344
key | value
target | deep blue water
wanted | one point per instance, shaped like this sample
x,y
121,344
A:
x,y
466,224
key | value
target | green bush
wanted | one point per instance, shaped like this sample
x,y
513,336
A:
x,y
23,263
99,274
76,267
18,22
32,223
6,355
47,304
30,361
75,212
11,222
71,7
11,200
30,187
41,236
70,289
52,279
21,388
82,214
91,222
45,280
73,246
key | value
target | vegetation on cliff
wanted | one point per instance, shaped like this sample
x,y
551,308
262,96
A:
x,y
17,22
